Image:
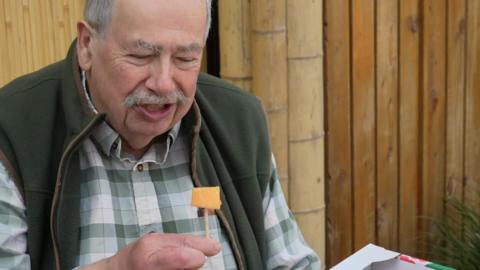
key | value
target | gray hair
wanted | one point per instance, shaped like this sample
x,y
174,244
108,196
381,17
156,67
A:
x,y
99,12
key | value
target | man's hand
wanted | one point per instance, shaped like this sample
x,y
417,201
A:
x,y
161,251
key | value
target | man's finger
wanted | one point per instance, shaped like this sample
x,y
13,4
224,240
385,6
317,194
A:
x,y
208,247
180,257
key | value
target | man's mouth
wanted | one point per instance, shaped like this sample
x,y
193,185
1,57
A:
x,y
154,112
155,107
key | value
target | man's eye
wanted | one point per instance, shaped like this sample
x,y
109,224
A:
x,y
186,59
140,56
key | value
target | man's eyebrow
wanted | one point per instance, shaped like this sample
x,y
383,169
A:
x,y
194,47
142,44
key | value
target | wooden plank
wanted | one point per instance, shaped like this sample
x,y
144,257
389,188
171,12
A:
x,y
363,89
387,123
50,37
234,28
10,28
409,129
27,26
456,38
19,38
5,63
60,28
338,125
35,33
455,146
36,20
433,115
472,144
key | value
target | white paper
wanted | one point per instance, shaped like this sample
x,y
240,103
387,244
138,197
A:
x,y
363,259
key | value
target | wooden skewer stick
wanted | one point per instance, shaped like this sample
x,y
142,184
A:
x,y
207,227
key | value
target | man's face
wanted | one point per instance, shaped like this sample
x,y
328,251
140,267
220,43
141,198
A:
x,y
151,47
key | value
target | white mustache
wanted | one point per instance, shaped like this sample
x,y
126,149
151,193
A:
x,y
143,96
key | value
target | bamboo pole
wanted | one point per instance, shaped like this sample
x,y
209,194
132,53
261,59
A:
x,y
306,134
269,74
234,29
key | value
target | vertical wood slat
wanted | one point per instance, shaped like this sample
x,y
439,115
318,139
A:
x,y
59,25
39,40
363,92
434,130
409,125
47,33
306,135
338,125
4,68
23,8
11,39
19,32
387,123
269,73
472,143
456,35
36,34
234,28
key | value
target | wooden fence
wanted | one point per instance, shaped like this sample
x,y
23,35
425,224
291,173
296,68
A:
x,y
402,103
35,33
402,84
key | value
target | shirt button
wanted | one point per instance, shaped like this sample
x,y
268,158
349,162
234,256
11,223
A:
x,y
140,168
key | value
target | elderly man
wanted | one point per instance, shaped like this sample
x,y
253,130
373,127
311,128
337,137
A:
x,y
100,152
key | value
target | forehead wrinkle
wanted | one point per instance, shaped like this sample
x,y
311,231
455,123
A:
x,y
142,44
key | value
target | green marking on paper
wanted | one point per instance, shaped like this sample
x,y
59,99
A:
x,y
438,267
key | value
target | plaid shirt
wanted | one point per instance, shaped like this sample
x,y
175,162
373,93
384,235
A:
x,y
123,198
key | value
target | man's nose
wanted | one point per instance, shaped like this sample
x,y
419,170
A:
x,y
160,78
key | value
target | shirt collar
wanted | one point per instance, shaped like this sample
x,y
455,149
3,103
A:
x,y
110,143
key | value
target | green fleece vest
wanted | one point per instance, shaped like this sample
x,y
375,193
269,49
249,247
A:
x,y
43,120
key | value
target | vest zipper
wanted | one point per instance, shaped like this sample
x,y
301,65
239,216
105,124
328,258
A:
x,y
58,185
197,183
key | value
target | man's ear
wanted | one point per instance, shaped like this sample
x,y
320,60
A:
x,y
84,45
